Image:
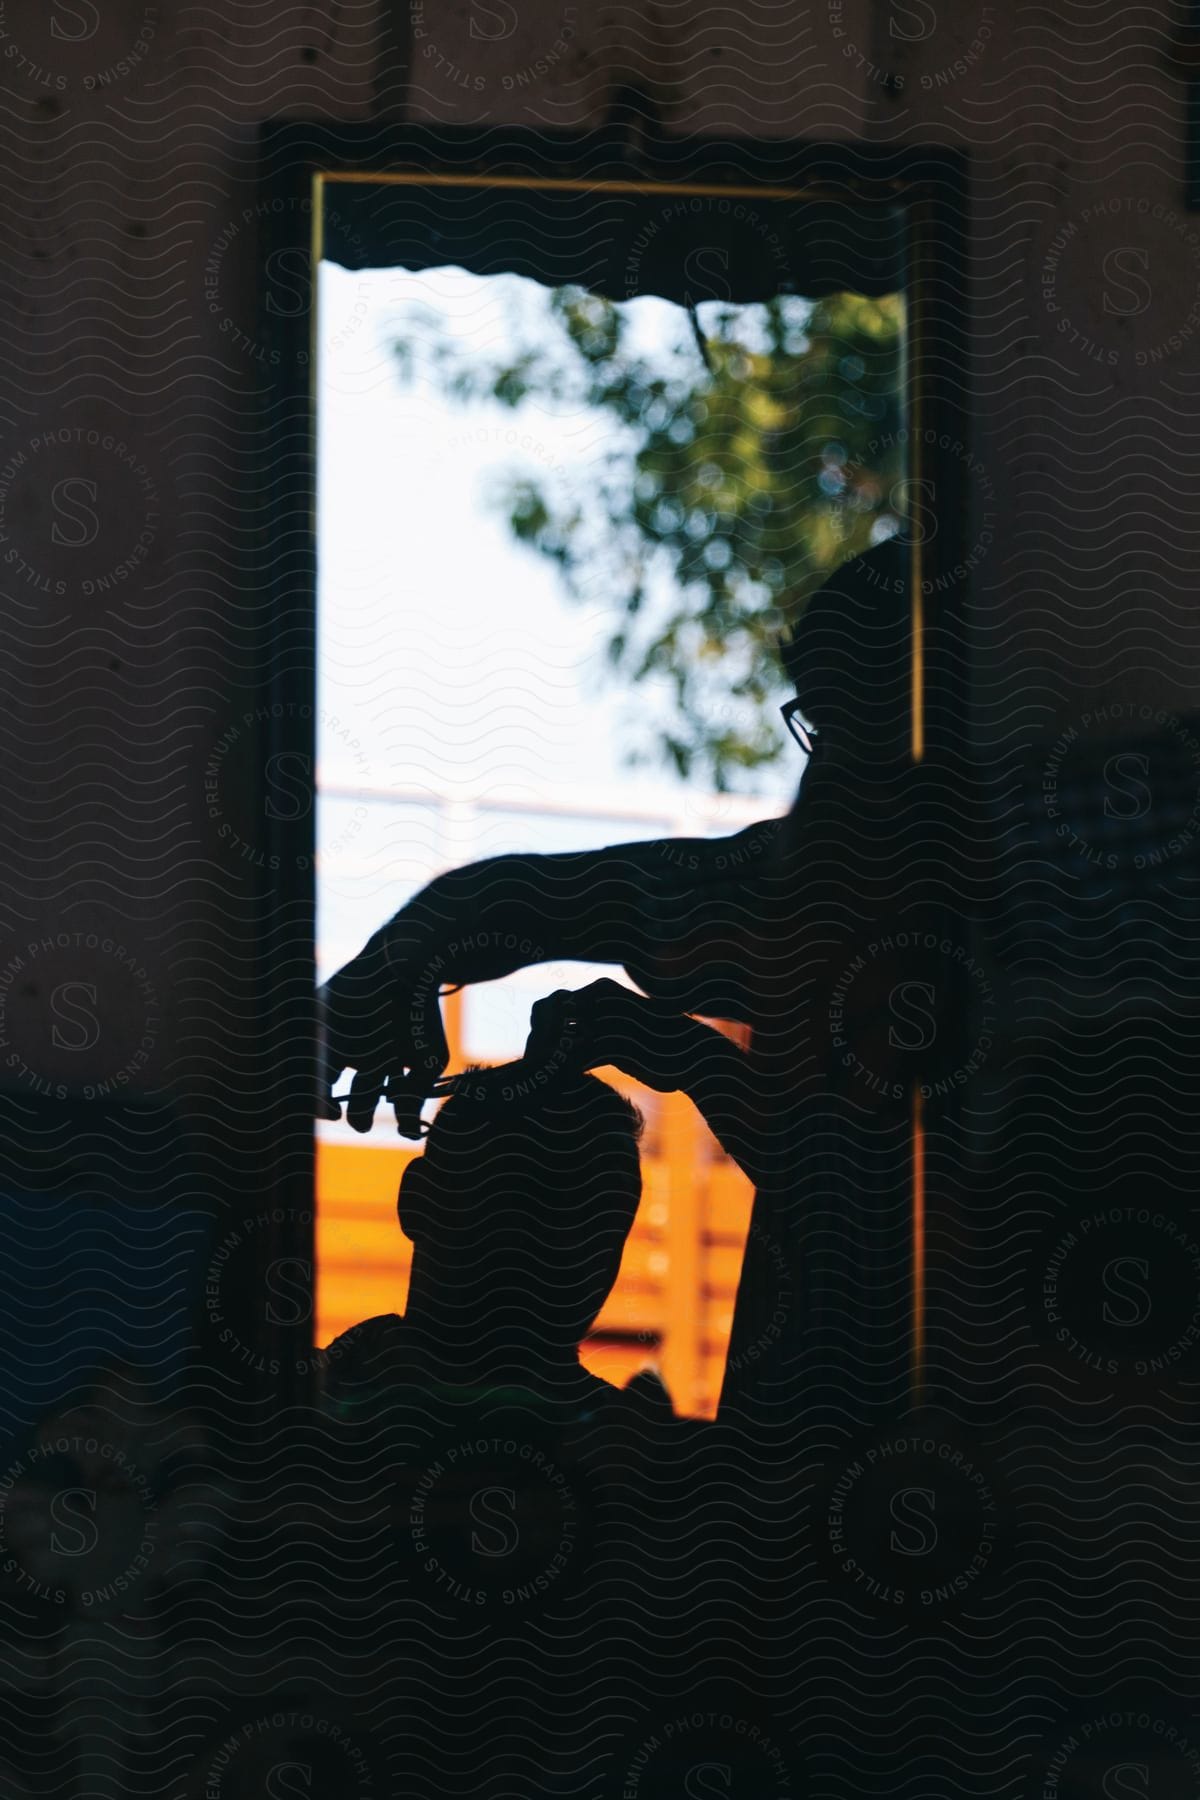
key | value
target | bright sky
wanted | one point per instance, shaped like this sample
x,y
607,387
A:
x,y
458,684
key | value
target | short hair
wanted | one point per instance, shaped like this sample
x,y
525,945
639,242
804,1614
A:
x,y
551,1147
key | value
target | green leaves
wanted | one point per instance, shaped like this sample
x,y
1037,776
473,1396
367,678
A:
x,y
726,494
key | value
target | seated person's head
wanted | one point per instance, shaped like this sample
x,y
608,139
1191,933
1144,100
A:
x,y
520,1206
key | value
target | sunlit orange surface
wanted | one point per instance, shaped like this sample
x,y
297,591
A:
x,y
672,1307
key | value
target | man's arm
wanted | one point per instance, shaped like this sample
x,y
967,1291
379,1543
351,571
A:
x,y
721,1088
608,905
380,1014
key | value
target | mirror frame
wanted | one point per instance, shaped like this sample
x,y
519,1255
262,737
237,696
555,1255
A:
x,y
300,163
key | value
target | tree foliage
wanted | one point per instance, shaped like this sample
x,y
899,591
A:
x,y
742,463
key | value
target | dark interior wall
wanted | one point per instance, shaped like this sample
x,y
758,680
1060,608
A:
x,y
135,458
132,372
129,409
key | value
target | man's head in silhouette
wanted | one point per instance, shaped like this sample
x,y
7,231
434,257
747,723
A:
x,y
850,656
518,1213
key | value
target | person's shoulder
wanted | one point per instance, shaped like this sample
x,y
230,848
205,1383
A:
x,y
644,1398
373,1351
382,1328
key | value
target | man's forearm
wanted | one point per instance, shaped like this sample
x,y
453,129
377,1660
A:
x,y
720,1083
606,906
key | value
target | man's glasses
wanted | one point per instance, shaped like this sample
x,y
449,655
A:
x,y
793,719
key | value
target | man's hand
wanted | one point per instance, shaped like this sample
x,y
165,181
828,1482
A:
x,y
607,1025
381,1017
